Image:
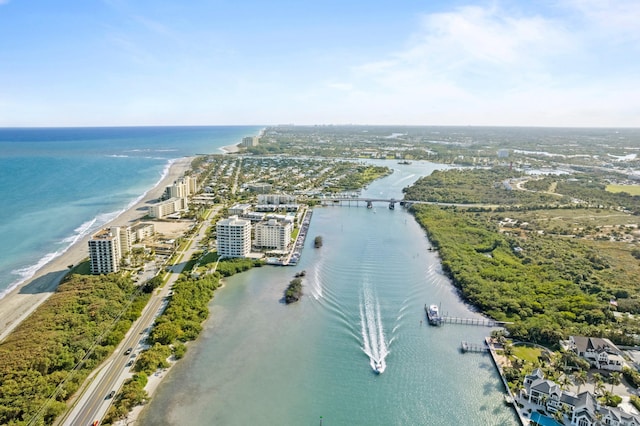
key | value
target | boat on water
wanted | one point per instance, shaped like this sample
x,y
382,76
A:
x,y
433,315
378,367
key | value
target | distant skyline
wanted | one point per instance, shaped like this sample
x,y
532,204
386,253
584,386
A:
x,y
566,63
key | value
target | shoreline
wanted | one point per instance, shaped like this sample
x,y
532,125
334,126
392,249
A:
x,y
230,149
153,382
22,300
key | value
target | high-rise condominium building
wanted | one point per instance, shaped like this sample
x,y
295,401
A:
x,y
105,251
233,237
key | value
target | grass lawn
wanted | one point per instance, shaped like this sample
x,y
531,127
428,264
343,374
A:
x,y
527,353
629,189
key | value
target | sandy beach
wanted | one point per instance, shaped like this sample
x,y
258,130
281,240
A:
x,y
18,304
230,149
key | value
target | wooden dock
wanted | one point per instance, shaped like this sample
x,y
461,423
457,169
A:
x,y
473,347
483,322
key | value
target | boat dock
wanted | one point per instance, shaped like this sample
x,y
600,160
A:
x,y
473,347
438,319
483,322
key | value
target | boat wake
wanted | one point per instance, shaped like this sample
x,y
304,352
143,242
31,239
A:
x,y
374,343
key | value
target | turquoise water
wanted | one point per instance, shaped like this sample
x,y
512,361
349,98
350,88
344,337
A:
x,y
58,185
259,361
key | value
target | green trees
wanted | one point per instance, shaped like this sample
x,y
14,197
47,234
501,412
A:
x,y
294,291
540,297
52,351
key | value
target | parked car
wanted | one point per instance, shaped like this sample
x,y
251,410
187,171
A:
x,y
111,394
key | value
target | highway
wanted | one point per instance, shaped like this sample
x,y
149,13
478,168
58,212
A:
x,y
93,402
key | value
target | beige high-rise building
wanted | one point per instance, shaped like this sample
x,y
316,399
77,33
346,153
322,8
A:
x,y
233,237
274,235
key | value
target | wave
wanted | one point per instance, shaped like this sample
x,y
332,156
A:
x,y
374,343
79,233
29,271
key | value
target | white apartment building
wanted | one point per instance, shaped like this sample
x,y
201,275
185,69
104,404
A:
x,y
167,207
182,188
250,141
233,237
239,209
273,235
276,199
141,231
108,246
104,251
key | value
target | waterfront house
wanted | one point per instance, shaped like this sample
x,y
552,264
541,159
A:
x,y
581,410
601,353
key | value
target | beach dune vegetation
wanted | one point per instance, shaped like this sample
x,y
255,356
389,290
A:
x,y
48,356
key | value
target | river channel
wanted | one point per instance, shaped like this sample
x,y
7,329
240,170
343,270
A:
x,y
261,362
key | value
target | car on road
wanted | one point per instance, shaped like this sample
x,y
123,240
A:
x,y
111,394
130,363
128,351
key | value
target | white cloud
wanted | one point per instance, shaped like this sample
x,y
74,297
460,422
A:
x,y
615,18
479,65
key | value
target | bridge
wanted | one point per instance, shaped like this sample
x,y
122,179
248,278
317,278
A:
x,y
364,201
391,202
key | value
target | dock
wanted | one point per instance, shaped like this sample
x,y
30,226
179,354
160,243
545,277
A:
x,y
435,318
473,347
483,322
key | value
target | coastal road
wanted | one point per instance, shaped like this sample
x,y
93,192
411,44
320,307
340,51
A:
x,y
94,402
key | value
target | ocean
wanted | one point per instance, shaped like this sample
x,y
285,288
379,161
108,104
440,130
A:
x,y
60,184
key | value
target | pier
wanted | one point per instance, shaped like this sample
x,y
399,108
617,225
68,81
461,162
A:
x,y
445,319
483,322
473,347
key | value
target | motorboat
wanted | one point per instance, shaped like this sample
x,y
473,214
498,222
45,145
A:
x,y
379,366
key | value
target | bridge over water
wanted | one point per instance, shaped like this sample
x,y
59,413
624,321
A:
x,y
391,202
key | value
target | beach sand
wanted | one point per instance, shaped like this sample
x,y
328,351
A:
x,y
23,300
230,149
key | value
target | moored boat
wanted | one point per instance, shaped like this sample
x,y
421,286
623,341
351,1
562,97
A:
x,y
433,315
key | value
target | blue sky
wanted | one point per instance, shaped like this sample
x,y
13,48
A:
x,y
414,62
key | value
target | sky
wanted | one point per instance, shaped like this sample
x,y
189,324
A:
x,y
565,63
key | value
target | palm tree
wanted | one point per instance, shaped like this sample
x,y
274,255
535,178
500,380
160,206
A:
x,y
596,377
564,382
580,378
598,387
615,379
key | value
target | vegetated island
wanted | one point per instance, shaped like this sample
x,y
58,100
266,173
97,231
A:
x,y
317,242
294,290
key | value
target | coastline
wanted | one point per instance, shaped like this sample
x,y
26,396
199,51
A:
x,y
21,301
230,149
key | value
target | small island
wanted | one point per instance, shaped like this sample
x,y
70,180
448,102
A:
x,y
294,291
317,242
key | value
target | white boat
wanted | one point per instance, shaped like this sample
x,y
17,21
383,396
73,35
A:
x,y
433,315
433,310
378,367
